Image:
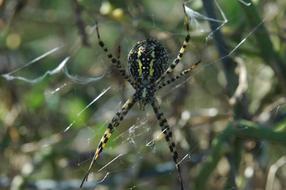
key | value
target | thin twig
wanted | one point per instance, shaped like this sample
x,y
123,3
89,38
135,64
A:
x,y
80,23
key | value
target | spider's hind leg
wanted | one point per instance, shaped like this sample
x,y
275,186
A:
x,y
169,137
114,60
182,50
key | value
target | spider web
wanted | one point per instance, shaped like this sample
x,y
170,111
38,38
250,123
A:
x,y
135,138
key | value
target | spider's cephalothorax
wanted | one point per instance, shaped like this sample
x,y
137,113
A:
x,y
147,61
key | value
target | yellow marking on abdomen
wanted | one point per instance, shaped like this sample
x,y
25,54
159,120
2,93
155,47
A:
x,y
140,67
151,71
140,50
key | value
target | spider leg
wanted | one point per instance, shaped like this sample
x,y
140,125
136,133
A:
x,y
175,78
177,60
107,134
168,136
115,61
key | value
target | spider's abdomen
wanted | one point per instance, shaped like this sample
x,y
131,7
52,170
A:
x,y
147,61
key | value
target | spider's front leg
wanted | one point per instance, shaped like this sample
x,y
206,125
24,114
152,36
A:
x,y
107,134
168,136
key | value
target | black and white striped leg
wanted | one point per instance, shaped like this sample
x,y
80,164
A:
x,y
177,77
181,51
169,138
108,132
115,61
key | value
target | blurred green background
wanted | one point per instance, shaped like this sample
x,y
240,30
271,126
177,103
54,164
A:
x,y
228,118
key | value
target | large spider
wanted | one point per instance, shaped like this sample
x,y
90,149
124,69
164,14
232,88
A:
x,y
148,66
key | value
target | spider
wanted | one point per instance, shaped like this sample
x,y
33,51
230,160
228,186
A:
x,y
148,67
